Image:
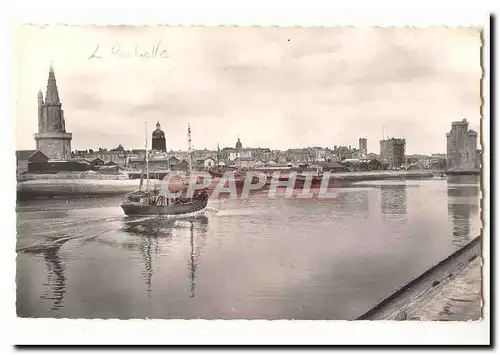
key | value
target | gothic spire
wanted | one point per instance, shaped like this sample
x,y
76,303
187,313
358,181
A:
x,y
52,96
40,97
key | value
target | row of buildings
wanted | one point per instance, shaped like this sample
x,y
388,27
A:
x,y
393,156
54,144
462,153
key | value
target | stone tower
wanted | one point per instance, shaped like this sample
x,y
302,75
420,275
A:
x,y
52,138
363,146
159,142
461,146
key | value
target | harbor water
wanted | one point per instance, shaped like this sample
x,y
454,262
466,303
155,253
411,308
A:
x,y
260,258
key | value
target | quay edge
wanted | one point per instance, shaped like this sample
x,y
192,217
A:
x,y
40,187
408,300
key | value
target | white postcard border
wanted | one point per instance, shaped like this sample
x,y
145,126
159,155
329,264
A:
x,y
163,332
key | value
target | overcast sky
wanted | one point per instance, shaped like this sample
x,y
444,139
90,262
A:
x,y
272,87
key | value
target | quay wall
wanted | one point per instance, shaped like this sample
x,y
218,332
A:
x,y
464,172
382,175
85,184
410,298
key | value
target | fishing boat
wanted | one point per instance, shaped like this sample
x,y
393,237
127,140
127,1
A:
x,y
154,202
142,203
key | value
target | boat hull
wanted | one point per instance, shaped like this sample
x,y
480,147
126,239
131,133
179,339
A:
x,y
135,209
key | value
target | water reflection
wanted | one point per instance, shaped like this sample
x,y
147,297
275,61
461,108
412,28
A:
x,y
145,248
193,264
354,201
393,202
362,198
153,229
197,242
463,192
55,282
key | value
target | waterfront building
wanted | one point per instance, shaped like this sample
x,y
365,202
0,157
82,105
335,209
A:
x,y
260,153
204,154
233,155
52,138
117,155
300,155
25,158
328,155
363,147
205,163
158,140
244,162
156,161
461,146
362,164
419,161
239,151
340,153
392,152
318,154
373,156
182,165
438,160
333,167
180,154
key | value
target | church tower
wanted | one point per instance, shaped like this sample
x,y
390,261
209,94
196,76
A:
x,y
52,138
159,142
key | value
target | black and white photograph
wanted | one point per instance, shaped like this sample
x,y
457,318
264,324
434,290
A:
x,y
249,173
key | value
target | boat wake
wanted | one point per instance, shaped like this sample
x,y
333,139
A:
x,y
212,210
236,212
43,246
55,239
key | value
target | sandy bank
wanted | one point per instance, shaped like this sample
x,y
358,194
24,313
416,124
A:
x,y
72,176
74,187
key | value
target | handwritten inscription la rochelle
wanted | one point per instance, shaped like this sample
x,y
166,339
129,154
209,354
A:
x,y
155,50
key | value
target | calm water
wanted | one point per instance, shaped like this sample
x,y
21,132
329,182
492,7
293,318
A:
x,y
259,258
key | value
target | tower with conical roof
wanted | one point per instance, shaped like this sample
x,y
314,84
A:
x,y
52,138
159,142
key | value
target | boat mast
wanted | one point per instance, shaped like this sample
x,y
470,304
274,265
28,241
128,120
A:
x,y
218,155
189,148
147,159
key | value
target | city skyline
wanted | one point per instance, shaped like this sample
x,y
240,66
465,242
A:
x,y
266,98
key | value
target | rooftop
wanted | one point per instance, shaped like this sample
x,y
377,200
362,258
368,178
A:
x,y
24,154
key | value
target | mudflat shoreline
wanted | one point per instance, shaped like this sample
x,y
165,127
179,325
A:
x,y
89,185
32,189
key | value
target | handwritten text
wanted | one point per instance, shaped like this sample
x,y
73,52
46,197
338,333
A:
x,y
155,50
